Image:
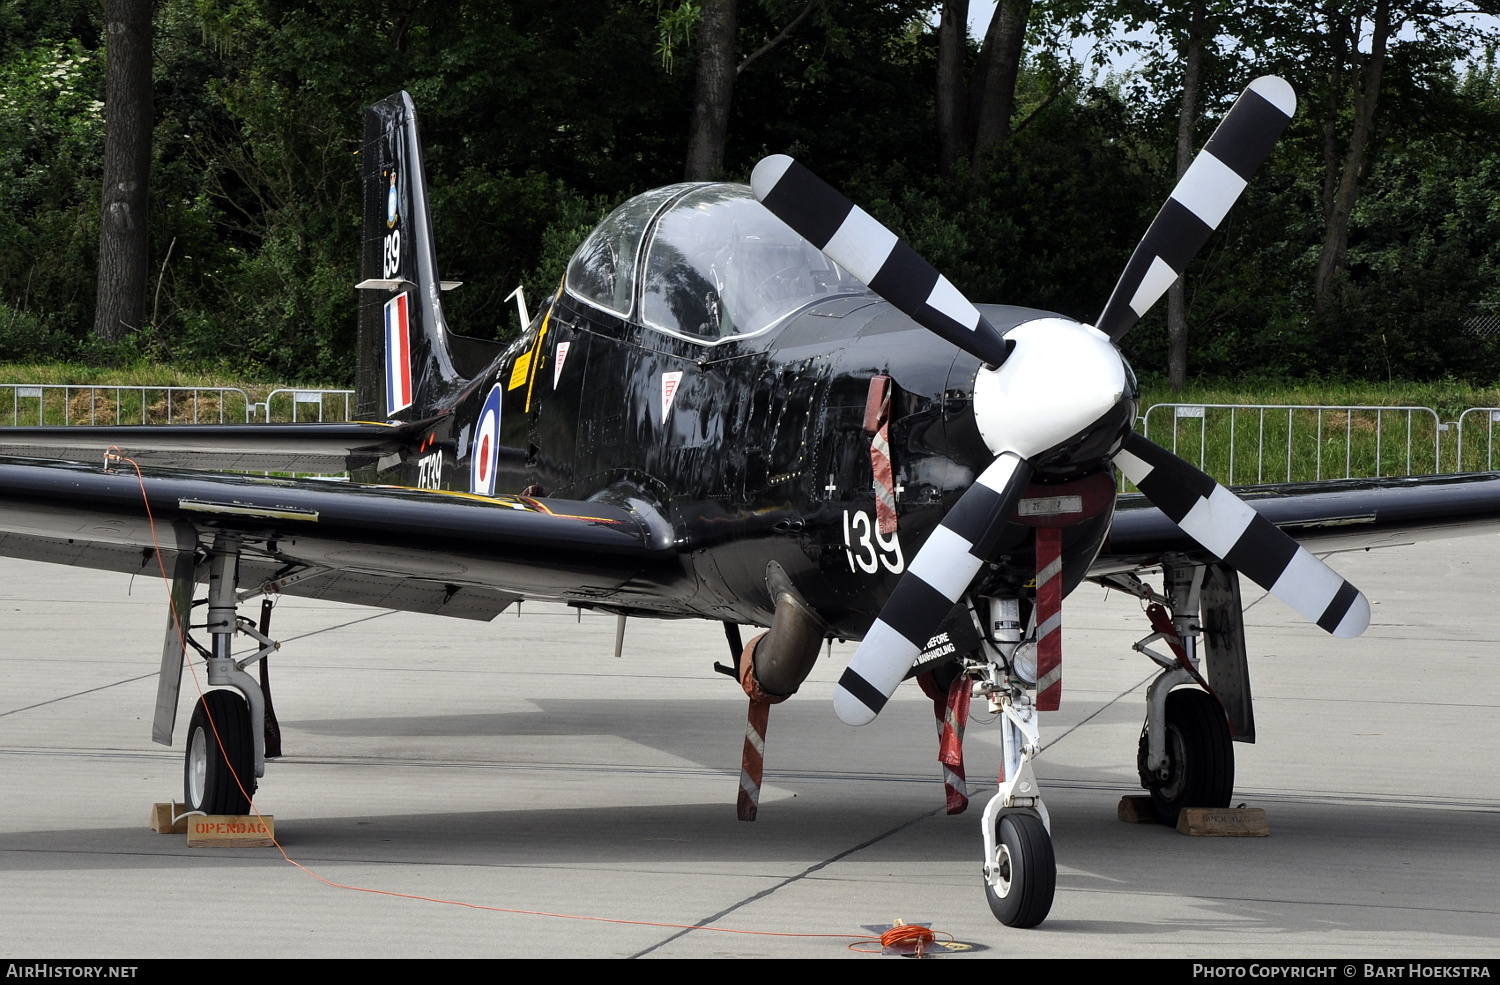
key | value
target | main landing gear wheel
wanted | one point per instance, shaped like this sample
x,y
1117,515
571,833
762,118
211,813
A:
x,y
1024,879
208,782
1200,757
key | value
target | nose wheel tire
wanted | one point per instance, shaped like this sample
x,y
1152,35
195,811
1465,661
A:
x,y
208,772
1023,876
1200,757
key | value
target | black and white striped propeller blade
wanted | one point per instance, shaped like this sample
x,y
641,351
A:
x,y
1247,541
1198,204
871,252
933,584
1066,382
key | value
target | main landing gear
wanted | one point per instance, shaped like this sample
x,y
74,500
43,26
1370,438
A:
x,y
1185,758
226,751
1198,767
219,771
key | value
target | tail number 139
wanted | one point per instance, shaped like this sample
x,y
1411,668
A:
x,y
869,549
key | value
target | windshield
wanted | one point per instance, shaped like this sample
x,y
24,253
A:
x,y
602,272
716,264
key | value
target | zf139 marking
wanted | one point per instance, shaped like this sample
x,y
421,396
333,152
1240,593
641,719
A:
x,y
867,553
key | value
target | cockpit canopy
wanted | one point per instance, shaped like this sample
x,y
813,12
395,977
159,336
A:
x,y
703,261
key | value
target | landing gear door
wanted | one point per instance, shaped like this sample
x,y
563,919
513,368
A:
x,y
1224,644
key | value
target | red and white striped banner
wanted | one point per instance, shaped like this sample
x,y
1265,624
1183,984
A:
x,y
951,709
1049,585
878,427
951,745
753,761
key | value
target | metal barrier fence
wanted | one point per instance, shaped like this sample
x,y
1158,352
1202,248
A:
x,y
1254,443
1478,455
58,403
1235,443
306,405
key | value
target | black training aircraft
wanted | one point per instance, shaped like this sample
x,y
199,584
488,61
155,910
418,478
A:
x,y
756,406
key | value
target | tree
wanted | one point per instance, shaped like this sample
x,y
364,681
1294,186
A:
x,y
952,98
1341,183
1349,45
1185,37
254,171
718,35
715,89
974,120
51,142
1192,70
123,236
994,91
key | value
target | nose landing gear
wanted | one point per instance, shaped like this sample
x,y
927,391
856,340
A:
x,y
1020,869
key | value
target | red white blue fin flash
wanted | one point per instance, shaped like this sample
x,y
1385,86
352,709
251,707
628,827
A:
x,y
398,389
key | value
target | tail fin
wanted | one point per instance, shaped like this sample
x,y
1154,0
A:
x,y
405,365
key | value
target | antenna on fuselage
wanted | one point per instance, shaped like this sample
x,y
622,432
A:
x,y
520,295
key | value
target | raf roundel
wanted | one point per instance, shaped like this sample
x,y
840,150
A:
x,y
486,454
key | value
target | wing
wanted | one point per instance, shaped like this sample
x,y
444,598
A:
x,y
324,448
418,550
1344,514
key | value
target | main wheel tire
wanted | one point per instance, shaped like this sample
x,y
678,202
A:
x,y
1025,880
1200,757
209,773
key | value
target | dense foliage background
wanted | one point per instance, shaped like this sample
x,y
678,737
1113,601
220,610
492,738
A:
x,y
540,116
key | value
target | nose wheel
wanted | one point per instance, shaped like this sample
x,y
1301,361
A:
x,y
1199,771
1021,879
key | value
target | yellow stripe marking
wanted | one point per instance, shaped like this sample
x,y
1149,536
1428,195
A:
x,y
538,357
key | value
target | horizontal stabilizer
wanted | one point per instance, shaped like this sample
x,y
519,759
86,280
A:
x,y
306,448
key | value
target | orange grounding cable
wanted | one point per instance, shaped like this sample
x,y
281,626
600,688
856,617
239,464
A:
x,y
114,454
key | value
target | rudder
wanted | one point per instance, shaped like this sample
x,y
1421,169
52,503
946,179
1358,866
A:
x,y
405,370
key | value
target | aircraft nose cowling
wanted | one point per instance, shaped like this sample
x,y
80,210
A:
x,y
1060,380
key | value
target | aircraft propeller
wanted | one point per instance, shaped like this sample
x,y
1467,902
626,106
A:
x,y
1055,393
861,245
